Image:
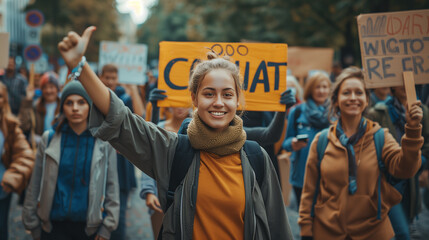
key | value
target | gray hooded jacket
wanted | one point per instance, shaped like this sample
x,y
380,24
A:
x,y
103,189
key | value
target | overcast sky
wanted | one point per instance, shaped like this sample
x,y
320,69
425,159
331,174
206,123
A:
x,y
139,9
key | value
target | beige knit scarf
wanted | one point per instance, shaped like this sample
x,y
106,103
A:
x,y
229,141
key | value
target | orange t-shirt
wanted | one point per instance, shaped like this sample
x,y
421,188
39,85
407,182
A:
x,y
220,199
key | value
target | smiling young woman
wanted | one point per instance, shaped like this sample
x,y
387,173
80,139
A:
x,y
216,99
219,197
348,172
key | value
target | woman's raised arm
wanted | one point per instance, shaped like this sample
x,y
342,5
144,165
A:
x,y
72,49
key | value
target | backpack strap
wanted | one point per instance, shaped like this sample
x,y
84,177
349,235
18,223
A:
x,y
182,160
322,143
256,159
185,153
184,156
379,143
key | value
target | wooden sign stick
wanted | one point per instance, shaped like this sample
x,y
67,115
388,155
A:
x,y
31,76
410,89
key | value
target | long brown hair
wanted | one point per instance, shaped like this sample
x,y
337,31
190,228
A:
x,y
5,111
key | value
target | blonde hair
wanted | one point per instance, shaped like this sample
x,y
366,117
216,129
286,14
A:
x,y
292,80
312,82
350,72
214,62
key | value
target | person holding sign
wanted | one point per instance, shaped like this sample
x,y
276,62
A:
x,y
391,114
346,194
220,197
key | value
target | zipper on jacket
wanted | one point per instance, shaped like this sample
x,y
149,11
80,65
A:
x,y
106,165
181,213
74,173
253,207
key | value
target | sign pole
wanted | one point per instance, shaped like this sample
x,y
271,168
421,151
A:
x,y
410,89
31,77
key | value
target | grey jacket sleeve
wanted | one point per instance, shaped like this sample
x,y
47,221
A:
x,y
274,205
147,146
267,135
30,219
148,185
111,203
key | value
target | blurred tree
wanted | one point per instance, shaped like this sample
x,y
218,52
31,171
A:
x,y
321,23
62,16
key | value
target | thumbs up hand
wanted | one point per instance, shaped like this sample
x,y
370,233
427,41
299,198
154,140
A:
x,y
73,46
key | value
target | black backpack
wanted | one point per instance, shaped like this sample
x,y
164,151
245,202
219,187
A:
x,y
184,156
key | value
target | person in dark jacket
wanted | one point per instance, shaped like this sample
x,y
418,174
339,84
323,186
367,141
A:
x,y
16,85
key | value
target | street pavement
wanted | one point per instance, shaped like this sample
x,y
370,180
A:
x,y
139,226
138,220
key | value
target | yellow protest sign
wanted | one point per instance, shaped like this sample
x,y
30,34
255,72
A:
x,y
262,65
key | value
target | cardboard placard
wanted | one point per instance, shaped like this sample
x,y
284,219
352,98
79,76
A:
x,y
303,59
4,53
263,68
410,88
393,43
131,60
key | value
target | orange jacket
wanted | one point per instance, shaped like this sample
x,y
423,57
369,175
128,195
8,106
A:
x,y
18,158
339,215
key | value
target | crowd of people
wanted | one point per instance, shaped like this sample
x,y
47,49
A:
x,y
358,158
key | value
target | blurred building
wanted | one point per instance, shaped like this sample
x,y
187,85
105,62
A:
x,y
127,28
12,20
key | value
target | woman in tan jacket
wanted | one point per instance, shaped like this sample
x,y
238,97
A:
x,y
17,159
346,205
